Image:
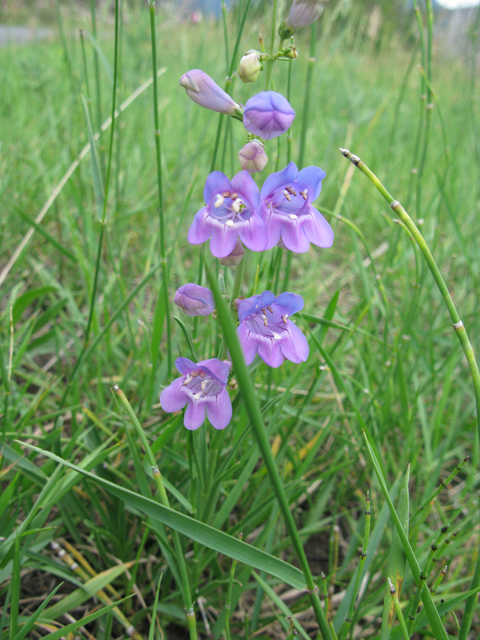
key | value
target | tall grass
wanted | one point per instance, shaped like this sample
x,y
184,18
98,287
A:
x,y
383,355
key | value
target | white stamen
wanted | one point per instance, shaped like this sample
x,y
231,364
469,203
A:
x,y
275,336
285,193
236,205
292,216
284,318
196,396
187,379
219,201
229,223
204,385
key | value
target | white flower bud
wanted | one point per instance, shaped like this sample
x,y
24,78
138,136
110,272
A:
x,y
250,66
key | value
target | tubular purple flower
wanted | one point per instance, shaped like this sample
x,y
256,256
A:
x,y
268,115
235,257
303,13
231,212
265,329
287,210
204,91
202,387
252,156
195,300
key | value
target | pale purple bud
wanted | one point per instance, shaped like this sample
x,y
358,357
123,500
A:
x,y
250,66
268,114
195,300
303,13
252,156
235,257
204,91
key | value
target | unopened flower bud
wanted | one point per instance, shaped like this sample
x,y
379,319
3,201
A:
x,y
252,156
268,114
195,300
250,66
204,91
303,13
235,257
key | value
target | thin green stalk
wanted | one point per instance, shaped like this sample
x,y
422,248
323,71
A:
x,y
85,68
253,408
459,330
237,283
160,190
271,60
308,87
157,476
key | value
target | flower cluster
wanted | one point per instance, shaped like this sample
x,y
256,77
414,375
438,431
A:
x,y
238,215
281,212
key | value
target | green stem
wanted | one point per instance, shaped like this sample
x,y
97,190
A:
x,y
228,603
157,476
237,283
459,330
163,258
271,59
253,408
97,66
398,610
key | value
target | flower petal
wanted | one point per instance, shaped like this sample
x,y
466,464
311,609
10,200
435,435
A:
x,y
217,182
200,229
317,229
248,341
223,240
253,233
219,410
293,236
270,352
184,365
194,415
311,178
172,397
254,304
289,303
245,186
295,348
279,180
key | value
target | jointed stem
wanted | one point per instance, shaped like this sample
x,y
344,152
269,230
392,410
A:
x,y
459,330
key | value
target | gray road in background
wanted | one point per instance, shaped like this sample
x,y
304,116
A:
x,y
21,35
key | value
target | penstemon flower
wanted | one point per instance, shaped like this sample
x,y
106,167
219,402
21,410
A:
x,y
231,211
287,210
268,114
195,300
265,329
202,387
302,14
204,91
252,156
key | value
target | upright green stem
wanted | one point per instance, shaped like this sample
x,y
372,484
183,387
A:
x,y
459,330
271,60
157,476
163,258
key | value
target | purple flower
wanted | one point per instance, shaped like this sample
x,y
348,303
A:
x,y
231,212
265,329
202,387
303,13
195,300
205,92
287,210
252,156
268,115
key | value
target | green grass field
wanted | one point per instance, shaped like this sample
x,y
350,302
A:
x,y
383,354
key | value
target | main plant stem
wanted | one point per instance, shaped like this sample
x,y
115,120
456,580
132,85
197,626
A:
x,y
459,330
